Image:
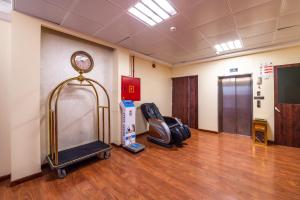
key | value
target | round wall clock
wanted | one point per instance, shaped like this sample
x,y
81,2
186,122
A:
x,y
82,62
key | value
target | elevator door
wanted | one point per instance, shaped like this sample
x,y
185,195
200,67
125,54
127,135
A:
x,y
236,104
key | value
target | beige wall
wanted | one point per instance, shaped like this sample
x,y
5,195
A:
x,y
25,94
208,83
4,98
156,86
26,65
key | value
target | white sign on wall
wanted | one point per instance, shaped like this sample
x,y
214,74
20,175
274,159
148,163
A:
x,y
231,70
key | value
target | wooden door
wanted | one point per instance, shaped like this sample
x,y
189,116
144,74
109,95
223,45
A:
x,y
185,100
180,97
235,104
287,105
193,102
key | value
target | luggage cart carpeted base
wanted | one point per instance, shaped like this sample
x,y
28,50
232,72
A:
x,y
76,154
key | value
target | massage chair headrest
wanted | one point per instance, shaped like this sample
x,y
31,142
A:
x,y
150,111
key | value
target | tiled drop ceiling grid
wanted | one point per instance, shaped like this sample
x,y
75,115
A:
x,y
200,24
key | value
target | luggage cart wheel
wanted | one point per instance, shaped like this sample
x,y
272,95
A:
x,y
106,155
61,173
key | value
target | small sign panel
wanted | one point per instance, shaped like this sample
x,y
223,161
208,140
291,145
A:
x,y
233,70
267,71
259,98
131,88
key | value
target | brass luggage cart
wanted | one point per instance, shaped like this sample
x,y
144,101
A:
x,y
60,159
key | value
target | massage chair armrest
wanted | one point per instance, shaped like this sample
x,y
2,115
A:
x,y
172,121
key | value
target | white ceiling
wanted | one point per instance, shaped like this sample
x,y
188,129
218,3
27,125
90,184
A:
x,y
200,24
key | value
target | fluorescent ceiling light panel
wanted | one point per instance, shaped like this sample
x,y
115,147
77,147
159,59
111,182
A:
x,y
238,44
224,46
230,44
152,12
227,46
148,12
164,4
218,48
153,6
141,16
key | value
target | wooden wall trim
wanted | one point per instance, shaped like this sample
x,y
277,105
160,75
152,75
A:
x,y
27,178
5,177
205,130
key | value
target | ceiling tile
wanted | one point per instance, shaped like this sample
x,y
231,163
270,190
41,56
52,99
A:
x,y
288,34
207,52
124,26
164,57
100,11
145,42
258,29
238,5
59,3
125,4
168,46
289,6
258,14
258,40
190,39
289,20
207,11
182,5
41,10
195,45
217,27
178,21
223,38
81,24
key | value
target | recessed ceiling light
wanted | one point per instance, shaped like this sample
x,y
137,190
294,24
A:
x,y
153,6
148,12
166,6
155,11
230,45
238,44
218,48
141,16
224,46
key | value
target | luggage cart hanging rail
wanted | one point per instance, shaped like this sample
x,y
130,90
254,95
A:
x,y
63,158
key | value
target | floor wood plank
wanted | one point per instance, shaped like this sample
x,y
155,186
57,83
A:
x,y
209,166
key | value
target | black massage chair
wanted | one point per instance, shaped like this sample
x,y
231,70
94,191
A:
x,y
163,130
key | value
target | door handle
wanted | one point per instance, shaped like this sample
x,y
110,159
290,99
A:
x,y
277,109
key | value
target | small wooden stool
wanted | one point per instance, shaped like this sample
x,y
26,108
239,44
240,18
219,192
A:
x,y
259,131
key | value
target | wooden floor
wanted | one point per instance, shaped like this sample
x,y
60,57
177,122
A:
x,y
210,166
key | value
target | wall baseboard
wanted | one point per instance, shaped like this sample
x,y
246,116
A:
x,y
116,145
210,131
5,177
270,142
27,178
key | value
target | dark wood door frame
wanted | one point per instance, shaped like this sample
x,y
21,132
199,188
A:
x,y
277,125
220,97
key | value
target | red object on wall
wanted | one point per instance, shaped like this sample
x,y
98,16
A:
x,y
131,88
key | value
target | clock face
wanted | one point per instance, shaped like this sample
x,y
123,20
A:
x,y
82,62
